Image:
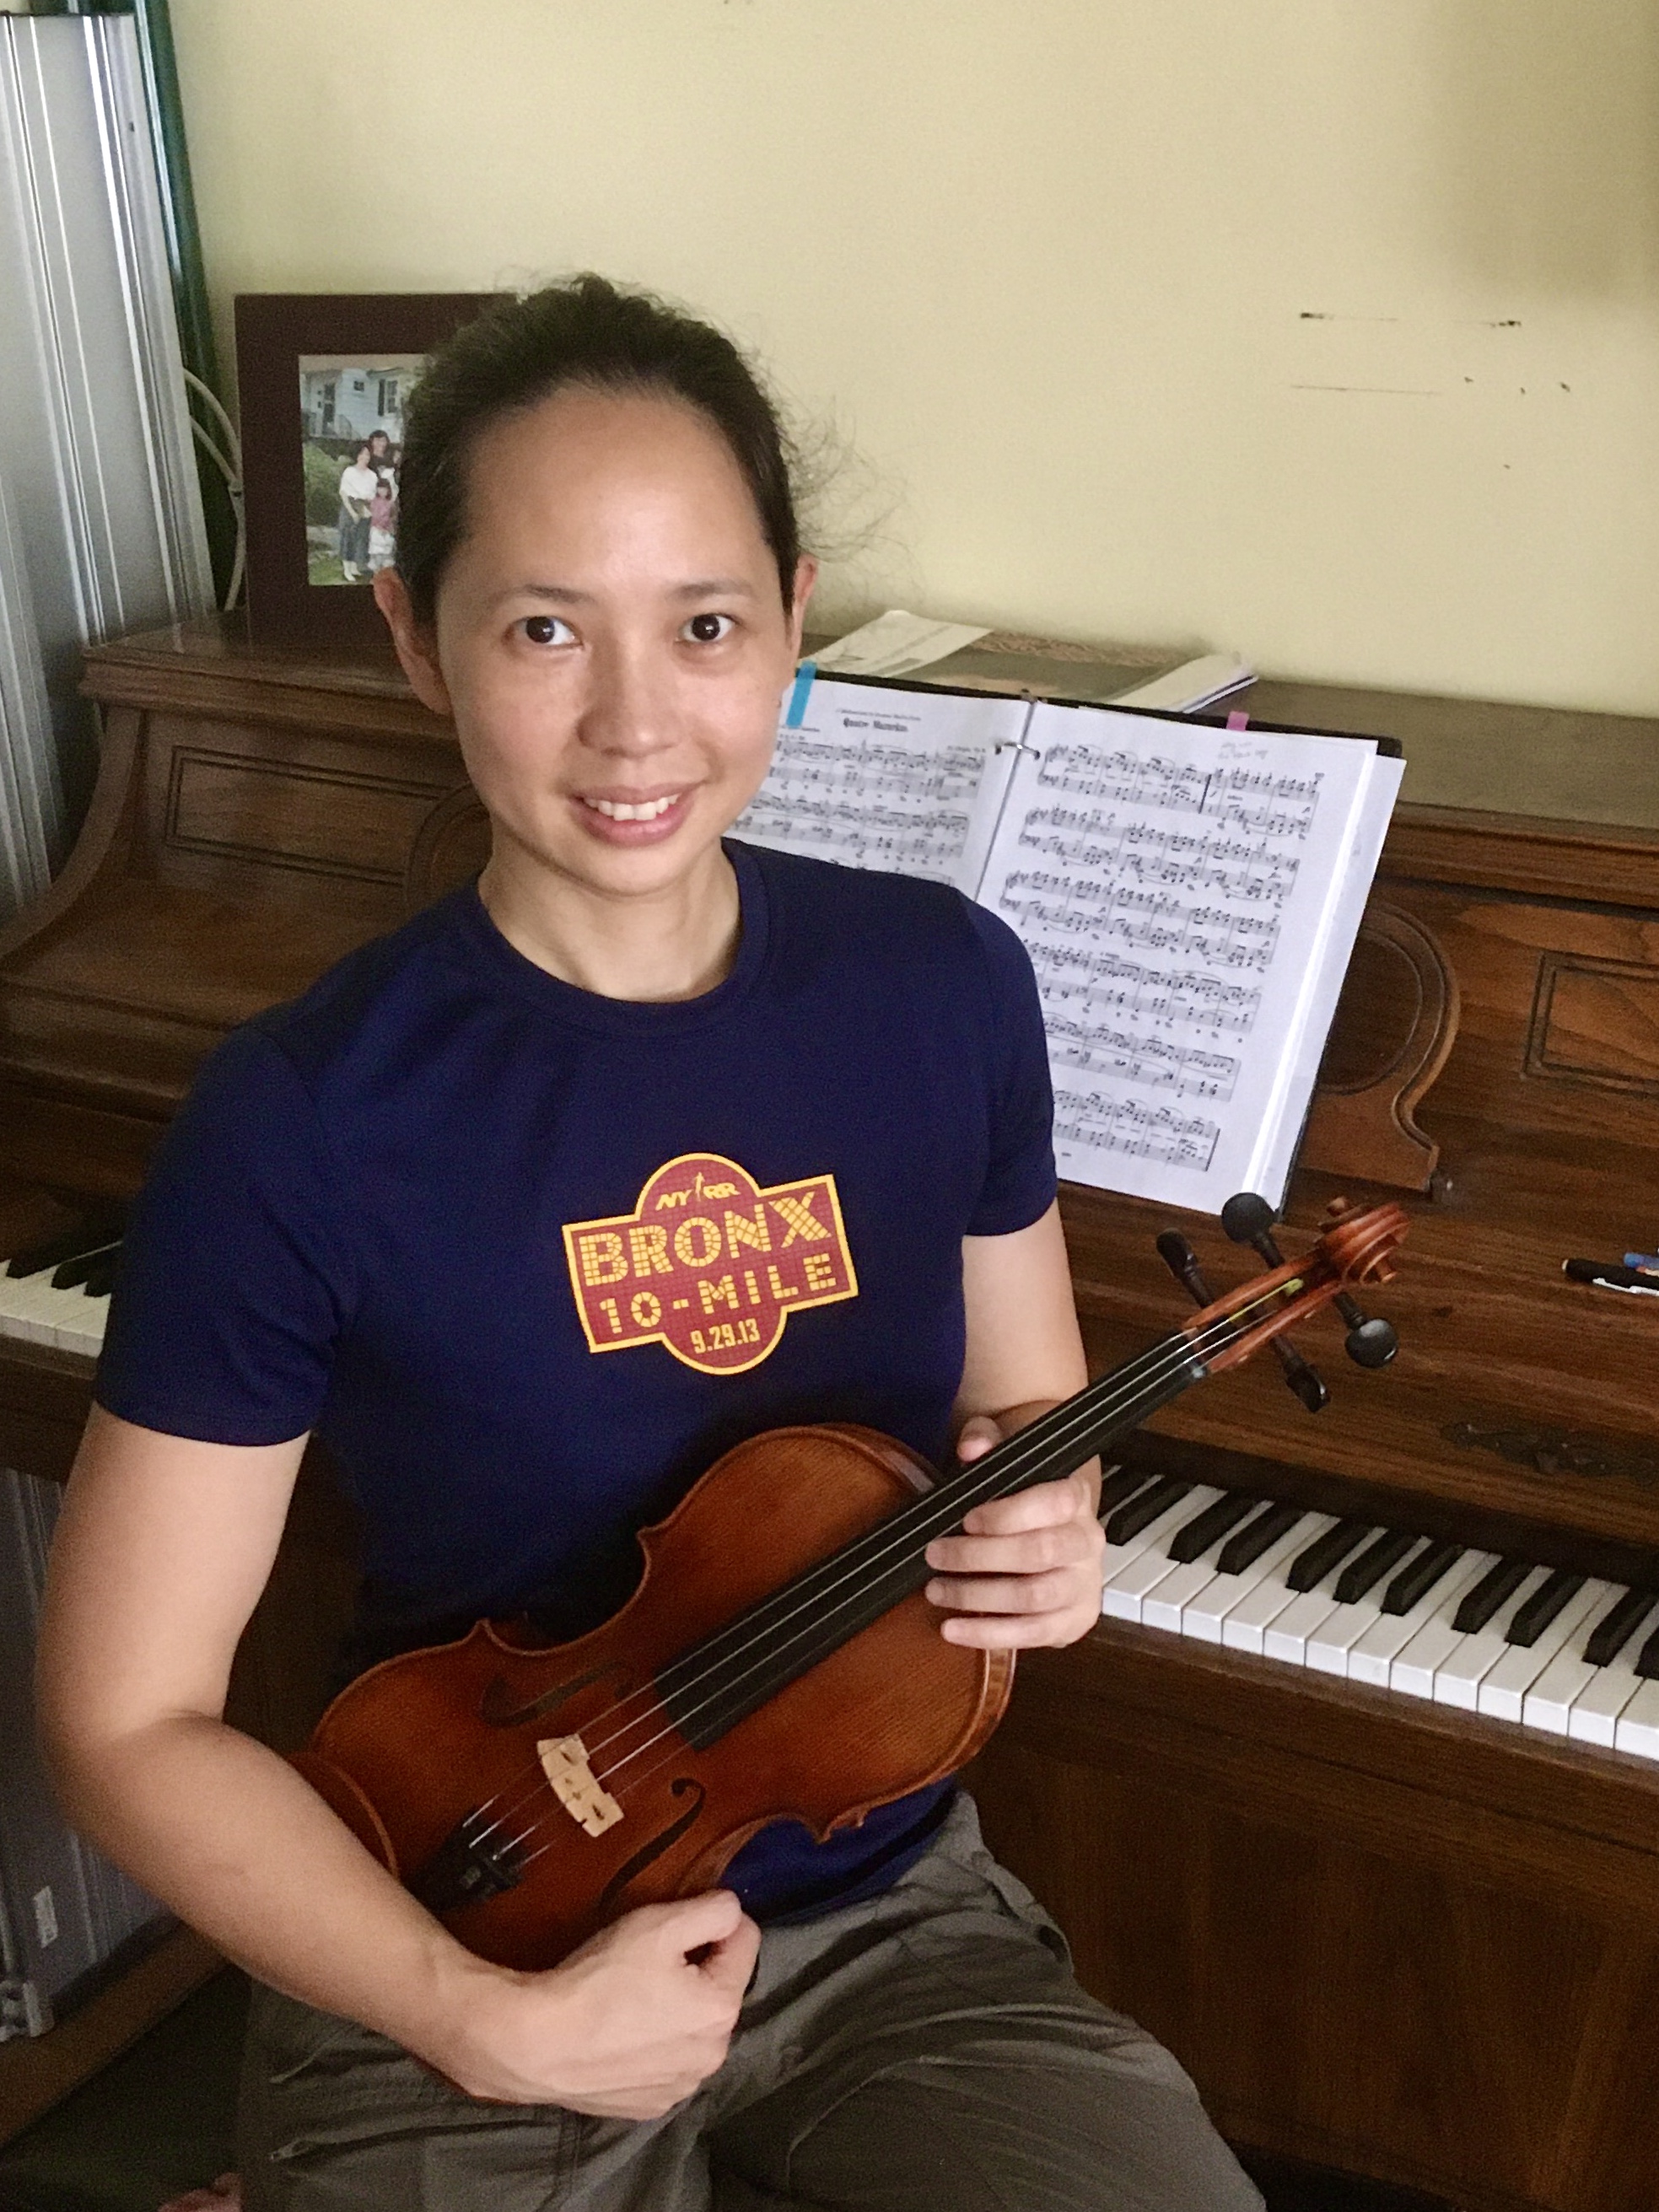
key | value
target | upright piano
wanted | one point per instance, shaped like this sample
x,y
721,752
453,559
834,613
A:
x,y
1374,1849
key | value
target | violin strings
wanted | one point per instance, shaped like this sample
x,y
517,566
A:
x,y
953,1498
978,1478
912,1540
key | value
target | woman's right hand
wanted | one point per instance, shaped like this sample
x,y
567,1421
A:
x,y
626,2027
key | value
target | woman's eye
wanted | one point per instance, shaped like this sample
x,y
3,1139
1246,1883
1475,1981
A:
x,y
546,629
709,630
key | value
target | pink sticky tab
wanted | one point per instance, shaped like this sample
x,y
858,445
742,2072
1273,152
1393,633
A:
x,y
1238,720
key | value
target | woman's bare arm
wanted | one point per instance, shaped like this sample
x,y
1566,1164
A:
x,y
1025,1570
162,1549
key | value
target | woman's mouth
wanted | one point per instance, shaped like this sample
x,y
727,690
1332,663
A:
x,y
645,810
643,821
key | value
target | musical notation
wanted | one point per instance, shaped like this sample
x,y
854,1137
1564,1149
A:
x,y
873,788
1042,901
1163,890
1098,1123
1107,986
1239,795
1132,851
1179,889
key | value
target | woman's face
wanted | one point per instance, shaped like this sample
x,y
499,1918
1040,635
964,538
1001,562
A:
x,y
611,640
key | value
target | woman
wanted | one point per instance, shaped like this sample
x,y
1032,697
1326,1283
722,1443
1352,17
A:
x,y
357,486
409,1212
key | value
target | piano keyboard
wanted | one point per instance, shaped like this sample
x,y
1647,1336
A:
x,y
1568,1655
59,1295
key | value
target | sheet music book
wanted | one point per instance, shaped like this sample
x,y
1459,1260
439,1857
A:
x,y
1189,897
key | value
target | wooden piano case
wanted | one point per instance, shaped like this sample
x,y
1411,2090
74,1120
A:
x,y
1411,1943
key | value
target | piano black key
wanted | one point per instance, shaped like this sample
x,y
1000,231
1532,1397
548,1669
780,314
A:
x,y
1119,1487
1363,1574
102,1281
1309,1568
1647,1659
1194,1538
1495,1588
1244,1549
1616,1627
76,1271
1142,1510
1534,1615
93,1230
1418,1576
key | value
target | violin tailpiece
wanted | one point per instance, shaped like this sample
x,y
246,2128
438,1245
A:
x,y
564,1762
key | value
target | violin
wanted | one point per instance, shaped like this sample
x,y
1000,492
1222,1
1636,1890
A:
x,y
773,1664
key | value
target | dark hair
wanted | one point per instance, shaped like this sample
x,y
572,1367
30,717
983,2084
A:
x,y
588,333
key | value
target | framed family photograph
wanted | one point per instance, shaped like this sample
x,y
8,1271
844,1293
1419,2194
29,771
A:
x,y
325,378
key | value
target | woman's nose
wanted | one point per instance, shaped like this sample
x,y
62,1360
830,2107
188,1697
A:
x,y
630,709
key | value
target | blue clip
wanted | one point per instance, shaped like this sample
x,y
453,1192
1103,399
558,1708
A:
x,y
804,676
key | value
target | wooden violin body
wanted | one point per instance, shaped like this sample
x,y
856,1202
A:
x,y
777,1663
412,1747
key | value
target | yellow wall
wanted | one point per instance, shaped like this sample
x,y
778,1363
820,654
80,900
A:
x,y
1324,329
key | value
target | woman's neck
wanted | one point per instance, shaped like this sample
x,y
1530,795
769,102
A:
x,y
663,946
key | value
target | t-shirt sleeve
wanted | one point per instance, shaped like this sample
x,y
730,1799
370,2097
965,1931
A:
x,y
234,1283
1020,1180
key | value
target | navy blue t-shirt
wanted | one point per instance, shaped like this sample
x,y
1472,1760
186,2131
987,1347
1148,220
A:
x,y
530,1260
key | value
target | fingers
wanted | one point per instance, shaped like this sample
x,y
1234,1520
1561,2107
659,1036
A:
x,y
1033,1552
1020,1631
1051,1592
978,1434
690,1923
730,1963
1024,1571
1045,1506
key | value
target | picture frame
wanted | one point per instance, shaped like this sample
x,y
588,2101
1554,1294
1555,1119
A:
x,y
320,375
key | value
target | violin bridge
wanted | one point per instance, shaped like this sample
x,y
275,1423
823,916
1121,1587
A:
x,y
564,1762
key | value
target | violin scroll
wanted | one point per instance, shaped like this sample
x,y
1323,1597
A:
x,y
1355,1246
1360,1241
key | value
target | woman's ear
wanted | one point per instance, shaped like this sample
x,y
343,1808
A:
x,y
417,648
807,574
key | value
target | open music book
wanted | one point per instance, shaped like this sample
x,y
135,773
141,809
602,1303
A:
x,y
1189,897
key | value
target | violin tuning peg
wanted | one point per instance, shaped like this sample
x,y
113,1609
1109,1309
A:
x,y
1371,1343
1304,1380
1246,1218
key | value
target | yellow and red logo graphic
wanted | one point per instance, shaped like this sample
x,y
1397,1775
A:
x,y
709,1264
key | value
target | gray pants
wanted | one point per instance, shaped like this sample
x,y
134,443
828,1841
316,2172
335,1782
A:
x,y
926,2052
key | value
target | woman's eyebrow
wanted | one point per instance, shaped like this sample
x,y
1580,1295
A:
x,y
700,587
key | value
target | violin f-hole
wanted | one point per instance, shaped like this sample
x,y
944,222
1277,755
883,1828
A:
x,y
494,1708
664,1840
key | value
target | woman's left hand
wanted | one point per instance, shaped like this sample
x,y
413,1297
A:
x,y
1025,1570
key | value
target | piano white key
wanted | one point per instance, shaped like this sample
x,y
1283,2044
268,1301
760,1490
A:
x,y
31,1311
1411,1671
1458,1678
1331,1643
1206,1616
1249,1619
1164,1604
1371,1659
1142,1564
1287,1636
21,1313
1504,1688
1548,1703
1596,1709
1637,1726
